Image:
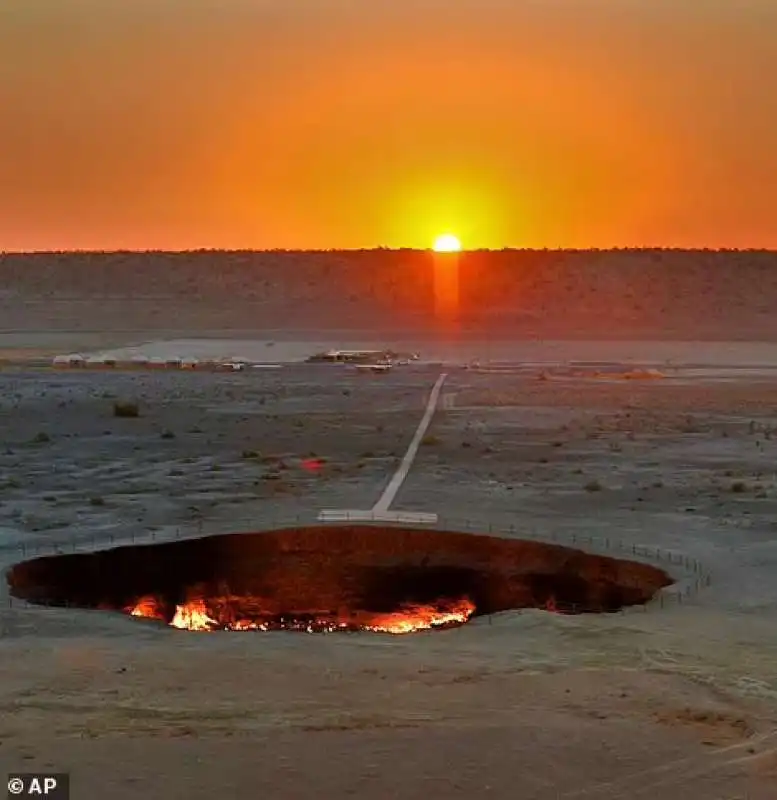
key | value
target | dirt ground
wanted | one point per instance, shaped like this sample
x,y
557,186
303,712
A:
x,y
677,700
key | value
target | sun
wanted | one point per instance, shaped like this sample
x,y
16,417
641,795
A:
x,y
446,243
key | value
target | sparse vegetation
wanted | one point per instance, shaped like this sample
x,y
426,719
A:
x,y
593,486
430,440
126,409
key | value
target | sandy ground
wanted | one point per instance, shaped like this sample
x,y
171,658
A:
x,y
677,700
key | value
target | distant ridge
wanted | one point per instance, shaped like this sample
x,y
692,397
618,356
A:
x,y
620,293
367,250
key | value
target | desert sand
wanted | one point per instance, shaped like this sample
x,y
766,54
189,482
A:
x,y
676,699
623,294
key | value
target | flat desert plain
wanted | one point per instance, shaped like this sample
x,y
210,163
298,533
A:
x,y
677,699
672,295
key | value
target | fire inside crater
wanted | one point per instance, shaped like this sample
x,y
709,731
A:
x,y
327,578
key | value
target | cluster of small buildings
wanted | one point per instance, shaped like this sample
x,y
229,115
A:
x,y
78,361
375,360
367,357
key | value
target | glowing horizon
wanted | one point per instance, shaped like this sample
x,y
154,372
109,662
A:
x,y
562,125
447,243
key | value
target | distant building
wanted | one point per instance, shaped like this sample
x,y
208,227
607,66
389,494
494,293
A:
x,y
100,362
72,360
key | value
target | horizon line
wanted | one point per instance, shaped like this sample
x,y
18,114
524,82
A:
x,y
382,249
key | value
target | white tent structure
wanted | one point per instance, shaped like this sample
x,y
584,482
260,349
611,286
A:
x,y
189,363
157,363
72,360
139,360
60,361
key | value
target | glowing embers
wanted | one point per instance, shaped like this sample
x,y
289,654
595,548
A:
x,y
250,614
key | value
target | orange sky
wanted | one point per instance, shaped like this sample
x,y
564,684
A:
x,y
343,123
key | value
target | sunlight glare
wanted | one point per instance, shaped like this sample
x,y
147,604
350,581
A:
x,y
446,243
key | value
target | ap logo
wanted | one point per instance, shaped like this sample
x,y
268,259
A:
x,y
52,786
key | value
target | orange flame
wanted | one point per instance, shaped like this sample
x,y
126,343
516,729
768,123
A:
x,y
147,606
197,615
193,616
417,618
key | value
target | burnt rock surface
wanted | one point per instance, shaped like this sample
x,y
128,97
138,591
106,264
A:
x,y
331,569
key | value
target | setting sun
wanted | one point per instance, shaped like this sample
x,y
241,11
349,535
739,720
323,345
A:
x,y
447,243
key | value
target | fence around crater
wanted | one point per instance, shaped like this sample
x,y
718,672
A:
x,y
688,573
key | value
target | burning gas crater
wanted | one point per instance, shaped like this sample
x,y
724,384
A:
x,y
328,579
